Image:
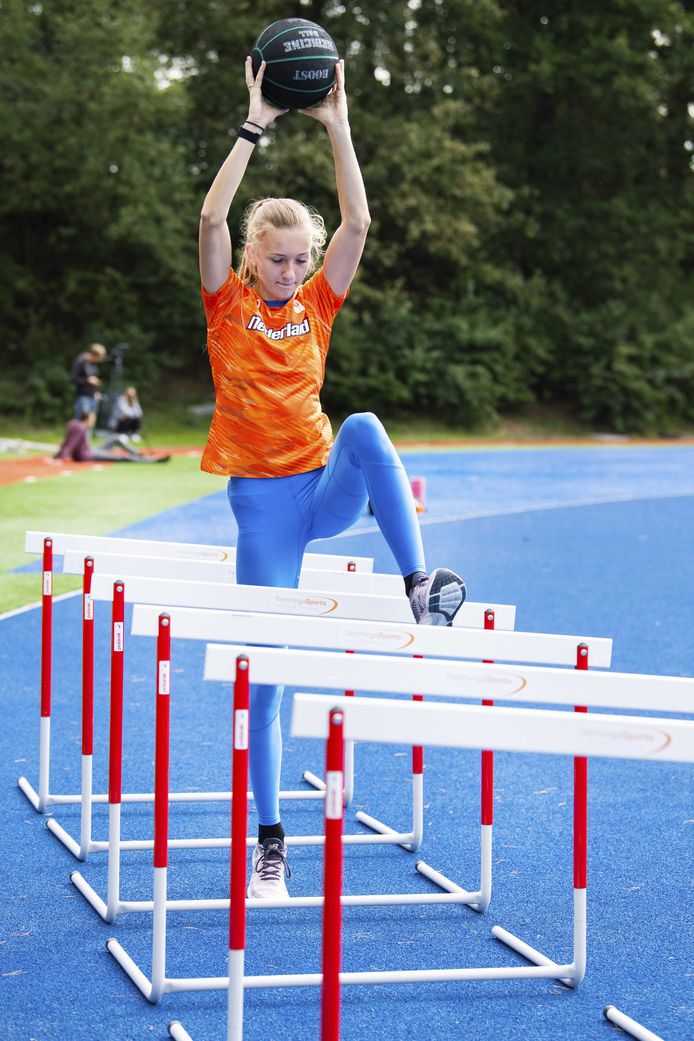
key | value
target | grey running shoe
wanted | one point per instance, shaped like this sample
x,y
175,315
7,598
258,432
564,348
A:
x,y
269,870
437,599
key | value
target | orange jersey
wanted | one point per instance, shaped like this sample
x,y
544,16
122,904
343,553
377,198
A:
x,y
268,365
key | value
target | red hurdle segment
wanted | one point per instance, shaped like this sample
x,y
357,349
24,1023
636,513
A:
x,y
87,707
581,797
154,988
486,804
239,826
580,866
87,658
46,673
332,881
41,799
47,628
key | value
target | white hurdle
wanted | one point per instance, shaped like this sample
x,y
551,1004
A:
x,y
421,641
436,724
463,726
441,724
51,544
161,591
114,904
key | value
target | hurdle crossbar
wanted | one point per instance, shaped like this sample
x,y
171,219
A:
x,y
396,638
169,593
91,544
454,679
508,729
136,565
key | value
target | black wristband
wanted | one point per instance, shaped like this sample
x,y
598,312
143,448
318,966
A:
x,y
248,135
257,125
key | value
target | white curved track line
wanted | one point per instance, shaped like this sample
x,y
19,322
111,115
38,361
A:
x,y
33,607
453,518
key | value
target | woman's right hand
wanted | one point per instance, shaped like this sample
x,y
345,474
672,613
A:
x,y
260,110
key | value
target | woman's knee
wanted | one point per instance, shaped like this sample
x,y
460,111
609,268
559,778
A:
x,y
364,430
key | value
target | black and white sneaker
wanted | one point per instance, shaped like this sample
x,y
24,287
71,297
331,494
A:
x,y
437,599
270,869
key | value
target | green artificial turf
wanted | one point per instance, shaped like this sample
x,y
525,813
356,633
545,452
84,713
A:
x,y
96,502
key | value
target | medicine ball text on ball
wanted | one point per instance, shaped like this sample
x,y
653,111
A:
x,y
301,59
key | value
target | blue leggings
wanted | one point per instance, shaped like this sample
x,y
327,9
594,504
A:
x,y
277,518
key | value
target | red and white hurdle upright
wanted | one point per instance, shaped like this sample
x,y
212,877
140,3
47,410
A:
x,y
42,799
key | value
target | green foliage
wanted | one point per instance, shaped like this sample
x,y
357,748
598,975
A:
x,y
529,171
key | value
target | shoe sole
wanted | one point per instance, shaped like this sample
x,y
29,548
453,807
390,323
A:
x,y
448,587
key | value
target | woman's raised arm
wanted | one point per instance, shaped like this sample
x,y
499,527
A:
x,y
214,237
347,244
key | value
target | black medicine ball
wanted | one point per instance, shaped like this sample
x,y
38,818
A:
x,y
301,60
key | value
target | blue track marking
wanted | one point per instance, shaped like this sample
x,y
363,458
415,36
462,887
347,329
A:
x,y
621,564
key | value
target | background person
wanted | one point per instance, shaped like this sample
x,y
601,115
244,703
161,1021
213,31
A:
x,y
77,446
84,375
127,414
268,337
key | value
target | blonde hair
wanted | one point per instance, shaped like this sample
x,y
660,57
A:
x,y
268,213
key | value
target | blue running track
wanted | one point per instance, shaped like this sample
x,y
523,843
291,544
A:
x,y
596,541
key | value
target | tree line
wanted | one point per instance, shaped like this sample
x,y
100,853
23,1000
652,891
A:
x,y
529,172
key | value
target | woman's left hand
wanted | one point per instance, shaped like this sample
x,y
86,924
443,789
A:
x,y
332,110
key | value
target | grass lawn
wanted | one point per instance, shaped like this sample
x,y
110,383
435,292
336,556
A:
x,y
93,501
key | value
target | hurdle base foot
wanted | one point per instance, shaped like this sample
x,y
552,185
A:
x,y
132,970
314,780
530,953
178,1032
629,1025
30,792
91,896
383,829
66,838
473,900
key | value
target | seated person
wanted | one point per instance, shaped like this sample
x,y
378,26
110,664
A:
x,y
77,447
126,417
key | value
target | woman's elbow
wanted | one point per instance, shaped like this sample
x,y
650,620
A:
x,y
360,224
210,219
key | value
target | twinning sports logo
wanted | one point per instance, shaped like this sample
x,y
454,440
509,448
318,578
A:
x,y
257,324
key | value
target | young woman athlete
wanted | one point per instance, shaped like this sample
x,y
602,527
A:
x,y
289,482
